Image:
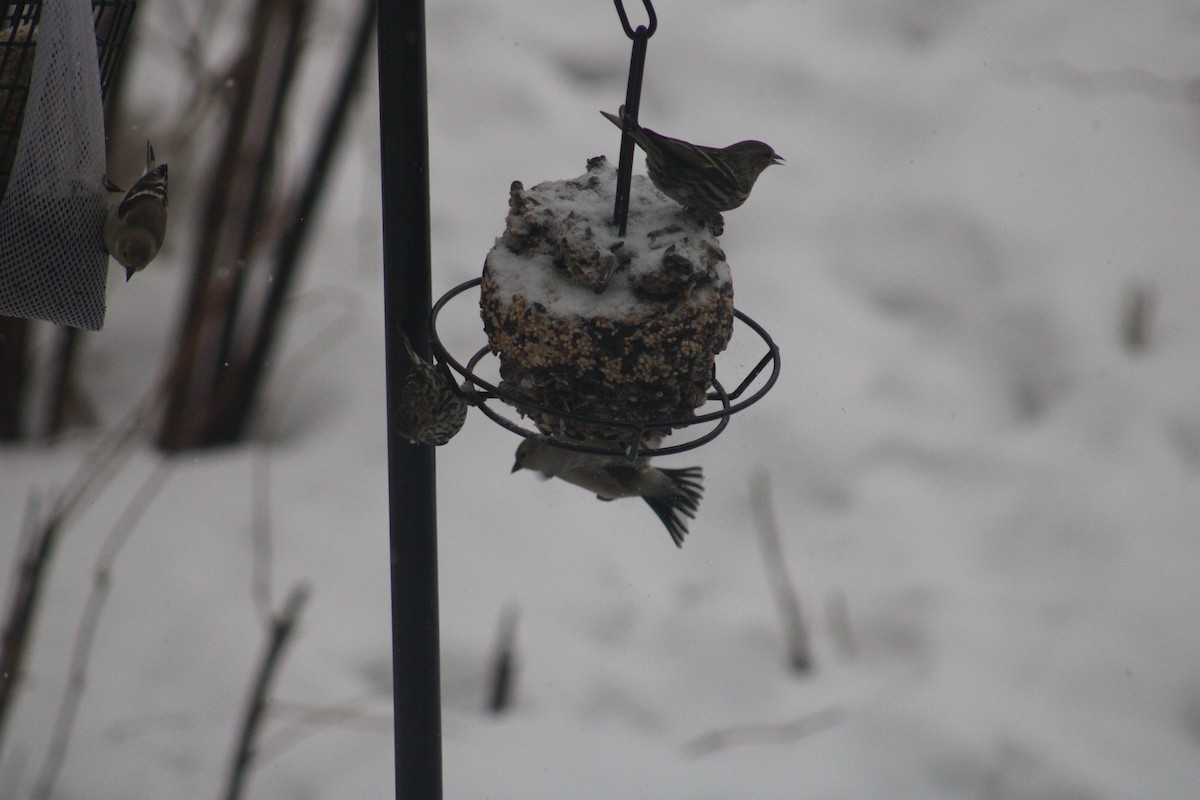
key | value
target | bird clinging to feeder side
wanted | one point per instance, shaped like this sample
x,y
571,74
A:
x,y
137,220
431,409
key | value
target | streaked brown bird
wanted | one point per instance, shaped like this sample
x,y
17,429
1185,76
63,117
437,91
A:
x,y
672,494
431,409
698,177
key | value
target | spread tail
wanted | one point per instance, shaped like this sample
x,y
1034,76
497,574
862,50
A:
x,y
685,501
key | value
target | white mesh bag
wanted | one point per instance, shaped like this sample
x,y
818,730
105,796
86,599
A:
x,y
53,263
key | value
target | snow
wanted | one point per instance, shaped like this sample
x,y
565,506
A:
x,y
959,446
577,215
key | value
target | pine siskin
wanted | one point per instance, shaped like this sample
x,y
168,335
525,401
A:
x,y
137,219
700,178
431,409
669,492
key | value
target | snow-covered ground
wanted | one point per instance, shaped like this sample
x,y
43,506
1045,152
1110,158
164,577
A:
x,y
964,457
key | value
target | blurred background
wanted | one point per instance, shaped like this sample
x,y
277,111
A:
x,y
979,470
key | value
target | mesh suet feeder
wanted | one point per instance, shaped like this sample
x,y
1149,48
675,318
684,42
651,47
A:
x,y
603,326
19,23
56,61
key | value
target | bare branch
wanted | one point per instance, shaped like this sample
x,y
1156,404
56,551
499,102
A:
x,y
85,634
307,721
38,543
1136,326
799,655
256,705
503,671
261,540
837,614
770,733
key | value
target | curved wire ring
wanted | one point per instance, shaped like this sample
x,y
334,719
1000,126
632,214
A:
x,y
633,450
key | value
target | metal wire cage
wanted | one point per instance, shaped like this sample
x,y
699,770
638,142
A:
x,y
710,422
18,44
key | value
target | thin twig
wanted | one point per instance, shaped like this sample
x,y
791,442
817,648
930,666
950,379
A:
x,y
85,634
768,733
799,655
837,614
101,464
37,544
256,705
502,675
1138,318
309,721
261,541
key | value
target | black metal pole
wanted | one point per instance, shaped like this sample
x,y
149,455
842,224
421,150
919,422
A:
x,y
404,171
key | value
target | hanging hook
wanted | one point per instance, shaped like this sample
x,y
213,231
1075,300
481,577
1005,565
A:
x,y
629,112
630,32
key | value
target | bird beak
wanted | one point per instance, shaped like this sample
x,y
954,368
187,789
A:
x,y
129,273
516,467
777,159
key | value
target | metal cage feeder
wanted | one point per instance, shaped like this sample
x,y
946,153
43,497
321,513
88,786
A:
x,y
480,392
18,43
53,263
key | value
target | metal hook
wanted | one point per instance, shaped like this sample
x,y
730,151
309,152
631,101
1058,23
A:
x,y
629,111
629,31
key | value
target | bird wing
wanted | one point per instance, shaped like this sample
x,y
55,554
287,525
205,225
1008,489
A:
x,y
687,156
152,184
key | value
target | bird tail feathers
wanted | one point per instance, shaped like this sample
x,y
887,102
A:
x,y
683,502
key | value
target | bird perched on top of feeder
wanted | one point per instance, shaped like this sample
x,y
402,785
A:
x,y
670,493
697,177
137,219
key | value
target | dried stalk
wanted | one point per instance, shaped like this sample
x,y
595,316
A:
x,y
237,201
37,544
244,383
769,733
503,671
85,634
799,655
256,705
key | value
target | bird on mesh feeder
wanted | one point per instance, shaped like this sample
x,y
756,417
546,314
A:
x,y
137,220
671,493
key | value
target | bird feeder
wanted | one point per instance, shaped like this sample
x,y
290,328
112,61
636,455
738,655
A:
x,y
605,305
605,326
56,60
700,288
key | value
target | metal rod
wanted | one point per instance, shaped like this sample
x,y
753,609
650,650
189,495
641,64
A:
x,y
629,114
629,111
404,171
